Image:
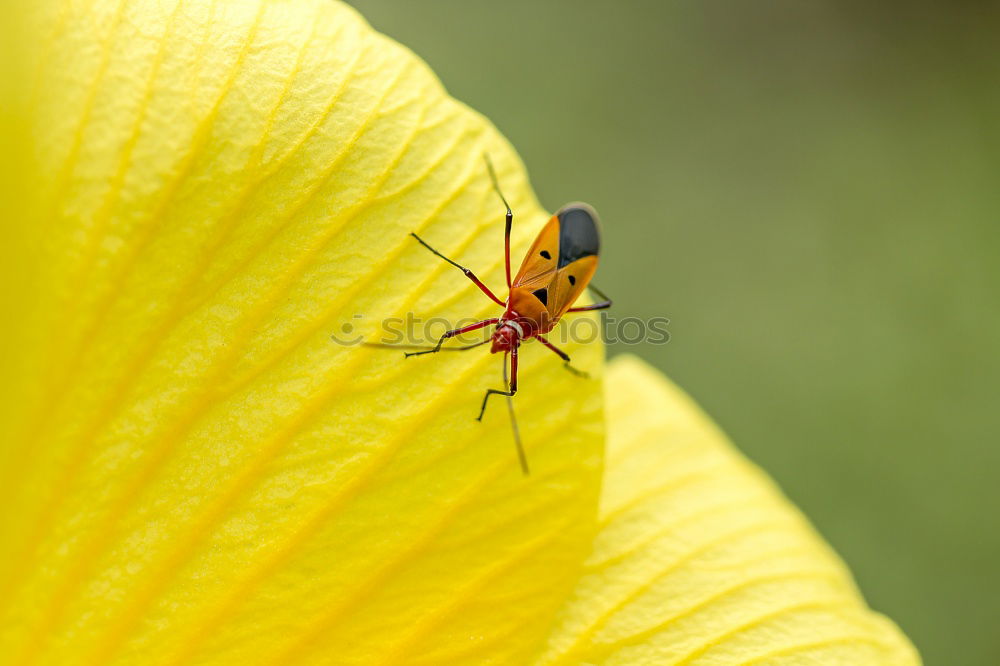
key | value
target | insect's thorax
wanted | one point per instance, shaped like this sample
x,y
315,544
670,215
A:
x,y
524,318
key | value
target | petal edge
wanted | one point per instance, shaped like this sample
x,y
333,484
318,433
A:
x,y
700,559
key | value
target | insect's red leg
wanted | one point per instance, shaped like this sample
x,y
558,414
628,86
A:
x,y
512,388
603,305
509,218
469,274
559,352
450,334
513,371
506,244
563,355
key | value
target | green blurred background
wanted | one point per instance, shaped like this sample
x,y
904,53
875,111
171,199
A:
x,y
810,191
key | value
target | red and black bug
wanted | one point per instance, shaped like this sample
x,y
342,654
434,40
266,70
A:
x,y
556,270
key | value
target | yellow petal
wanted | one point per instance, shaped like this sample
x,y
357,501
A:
x,y
16,176
198,473
700,560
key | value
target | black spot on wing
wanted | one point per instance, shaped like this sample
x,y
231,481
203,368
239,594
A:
x,y
578,234
542,295
572,279
545,253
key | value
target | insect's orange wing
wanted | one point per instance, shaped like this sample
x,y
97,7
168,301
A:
x,y
561,261
539,264
567,290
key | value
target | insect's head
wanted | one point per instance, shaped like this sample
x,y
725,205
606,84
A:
x,y
507,336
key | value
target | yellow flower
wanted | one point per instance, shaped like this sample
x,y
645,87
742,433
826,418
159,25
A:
x,y
193,472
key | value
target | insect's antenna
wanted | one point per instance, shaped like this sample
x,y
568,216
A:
x,y
496,183
521,456
386,345
508,220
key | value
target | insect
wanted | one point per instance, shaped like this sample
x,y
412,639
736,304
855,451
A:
x,y
553,274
